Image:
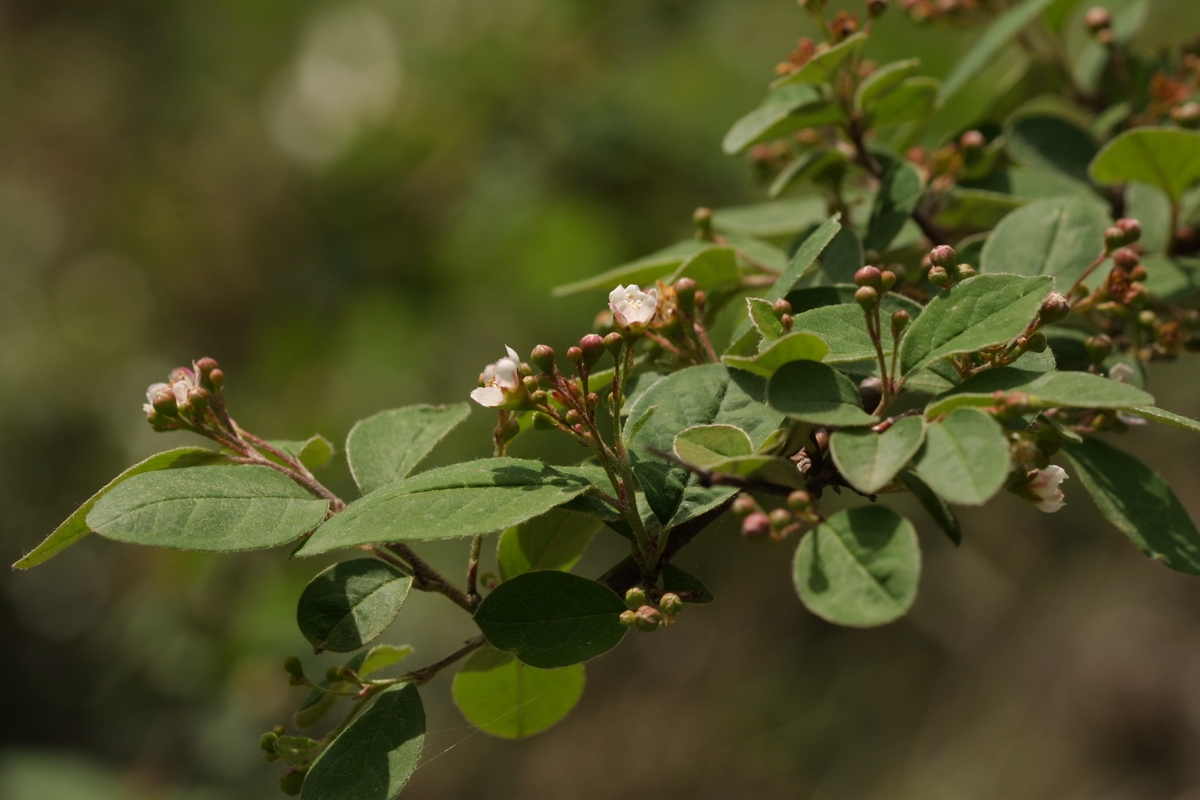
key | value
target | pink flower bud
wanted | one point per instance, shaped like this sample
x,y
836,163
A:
x,y
1044,484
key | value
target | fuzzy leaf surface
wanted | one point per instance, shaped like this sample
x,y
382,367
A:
x,y
388,446
349,604
501,696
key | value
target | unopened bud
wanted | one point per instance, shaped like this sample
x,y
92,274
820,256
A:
x,y
164,403
339,674
1147,319
870,391
875,8
1130,227
869,276
887,279
1138,273
756,526
592,347
543,357
198,399
292,781
799,501
1054,308
866,297
900,320
204,369
575,355
1037,343
573,418
267,741
780,518
1106,37
943,256
685,294
216,379
972,141
939,277
292,666
964,271
1098,19
1098,347
781,307
1126,259
648,619
744,506
531,383
671,604
613,342
636,596
628,618
787,321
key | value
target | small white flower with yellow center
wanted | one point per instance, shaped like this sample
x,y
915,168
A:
x,y
500,384
1044,484
632,308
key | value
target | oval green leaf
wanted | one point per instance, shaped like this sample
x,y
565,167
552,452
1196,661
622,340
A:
x,y
207,508
784,110
388,446
468,499
351,603
1137,500
555,540
913,100
796,346
979,312
642,271
871,460
899,193
76,527
812,392
501,696
995,38
859,568
1060,237
375,756
1168,158
965,457
882,81
1044,390
1054,143
552,619
705,445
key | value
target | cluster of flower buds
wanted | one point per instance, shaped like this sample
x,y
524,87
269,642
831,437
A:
x,y
186,400
969,158
1099,22
944,269
778,524
805,50
873,283
648,616
1034,478
843,26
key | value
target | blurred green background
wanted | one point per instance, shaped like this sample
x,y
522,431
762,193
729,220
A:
x,y
354,206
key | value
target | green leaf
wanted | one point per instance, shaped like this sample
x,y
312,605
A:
x,y
1150,206
994,39
1156,414
1137,500
382,656
643,271
778,218
314,452
294,749
797,346
807,299
842,258
375,756
804,262
824,65
763,468
388,446
871,460
501,696
687,586
207,508
704,445
936,507
555,540
843,328
784,110
965,457
552,619
1054,143
913,100
762,316
713,266
1168,158
76,527
350,604
1059,237
979,312
1044,390
899,194
813,392
815,166
860,568
710,394
882,81
468,499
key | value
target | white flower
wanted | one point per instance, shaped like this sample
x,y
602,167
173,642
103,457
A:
x,y
632,308
1044,484
500,384
151,393
1121,373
